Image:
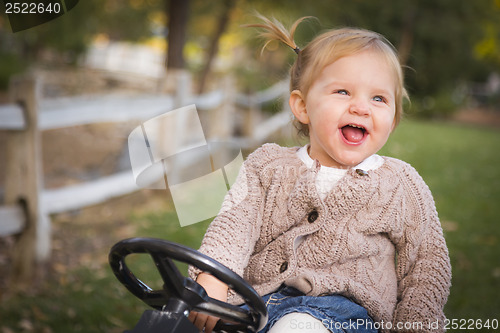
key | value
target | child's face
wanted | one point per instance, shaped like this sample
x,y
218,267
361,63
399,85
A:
x,y
349,109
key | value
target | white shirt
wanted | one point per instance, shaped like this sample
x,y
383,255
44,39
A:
x,y
329,176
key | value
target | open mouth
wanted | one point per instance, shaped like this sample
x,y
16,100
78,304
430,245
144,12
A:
x,y
353,134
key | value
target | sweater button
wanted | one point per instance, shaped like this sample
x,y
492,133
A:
x,y
361,172
283,267
313,216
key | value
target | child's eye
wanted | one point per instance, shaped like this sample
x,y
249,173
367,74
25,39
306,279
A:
x,y
341,92
380,99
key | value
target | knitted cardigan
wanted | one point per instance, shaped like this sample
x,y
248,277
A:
x,y
375,238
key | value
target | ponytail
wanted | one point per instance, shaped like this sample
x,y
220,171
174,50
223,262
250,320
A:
x,y
274,30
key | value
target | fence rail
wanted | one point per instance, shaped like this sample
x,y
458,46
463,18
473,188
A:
x,y
82,110
12,117
27,115
13,220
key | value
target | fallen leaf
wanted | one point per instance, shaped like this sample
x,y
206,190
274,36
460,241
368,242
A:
x,y
26,325
449,225
39,315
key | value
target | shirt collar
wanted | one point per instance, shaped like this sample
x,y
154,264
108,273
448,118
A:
x,y
370,163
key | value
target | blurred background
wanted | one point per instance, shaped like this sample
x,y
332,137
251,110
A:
x,y
124,61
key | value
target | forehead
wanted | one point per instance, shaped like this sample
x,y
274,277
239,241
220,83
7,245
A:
x,y
366,66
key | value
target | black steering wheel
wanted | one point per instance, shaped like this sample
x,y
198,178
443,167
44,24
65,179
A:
x,y
181,294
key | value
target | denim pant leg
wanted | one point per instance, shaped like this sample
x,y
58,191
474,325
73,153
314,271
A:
x,y
337,313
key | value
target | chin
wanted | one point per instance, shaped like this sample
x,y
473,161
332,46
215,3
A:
x,y
351,162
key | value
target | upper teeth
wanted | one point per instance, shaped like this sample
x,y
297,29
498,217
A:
x,y
352,125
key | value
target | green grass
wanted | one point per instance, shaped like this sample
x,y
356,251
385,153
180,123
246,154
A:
x,y
459,163
461,166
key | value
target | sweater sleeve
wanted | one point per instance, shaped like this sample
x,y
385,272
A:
x,y
423,264
231,237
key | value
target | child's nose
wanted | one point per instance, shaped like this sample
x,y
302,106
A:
x,y
360,107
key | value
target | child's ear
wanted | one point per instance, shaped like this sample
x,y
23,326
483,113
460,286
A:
x,y
298,106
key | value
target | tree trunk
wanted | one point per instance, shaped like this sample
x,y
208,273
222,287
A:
x,y
214,43
177,12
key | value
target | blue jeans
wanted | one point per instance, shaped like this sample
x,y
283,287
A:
x,y
337,313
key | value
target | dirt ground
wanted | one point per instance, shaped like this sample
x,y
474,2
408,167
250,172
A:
x,y
477,116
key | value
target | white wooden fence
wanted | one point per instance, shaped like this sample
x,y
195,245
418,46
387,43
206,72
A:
x,y
27,205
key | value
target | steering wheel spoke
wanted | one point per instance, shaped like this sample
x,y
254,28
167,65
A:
x,y
155,298
172,278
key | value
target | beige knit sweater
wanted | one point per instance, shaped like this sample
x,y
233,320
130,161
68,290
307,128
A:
x,y
375,238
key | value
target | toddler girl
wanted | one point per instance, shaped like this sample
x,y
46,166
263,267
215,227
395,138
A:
x,y
332,235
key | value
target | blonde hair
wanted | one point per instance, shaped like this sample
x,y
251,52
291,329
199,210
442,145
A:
x,y
327,48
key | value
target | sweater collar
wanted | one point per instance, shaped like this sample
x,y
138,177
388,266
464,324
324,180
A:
x,y
372,162
350,193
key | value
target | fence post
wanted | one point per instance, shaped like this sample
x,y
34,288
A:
x,y
24,180
250,115
183,88
222,119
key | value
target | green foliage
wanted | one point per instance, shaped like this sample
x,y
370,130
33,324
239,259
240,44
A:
x,y
488,47
66,38
10,65
439,105
71,33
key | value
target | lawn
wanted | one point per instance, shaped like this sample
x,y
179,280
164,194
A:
x,y
461,166
459,163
